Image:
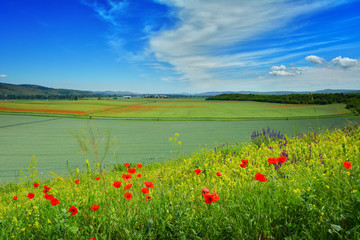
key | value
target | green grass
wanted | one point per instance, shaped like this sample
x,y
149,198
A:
x,y
139,141
311,196
181,109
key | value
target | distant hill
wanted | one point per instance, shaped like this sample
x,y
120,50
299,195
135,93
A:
x,y
28,91
116,93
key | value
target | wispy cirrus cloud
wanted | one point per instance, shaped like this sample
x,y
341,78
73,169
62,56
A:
x,y
209,43
3,75
214,37
108,10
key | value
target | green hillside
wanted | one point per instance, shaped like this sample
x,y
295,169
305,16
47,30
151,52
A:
x,y
27,91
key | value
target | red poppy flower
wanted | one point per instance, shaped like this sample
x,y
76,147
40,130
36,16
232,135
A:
x,y
243,163
97,178
15,197
128,186
208,198
347,164
260,177
149,184
139,165
281,159
131,170
48,197
197,171
46,189
128,195
144,190
92,239
126,177
147,198
127,165
139,175
31,195
95,207
73,210
117,184
204,191
35,184
216,197
219,174
77,181
54,201
272,160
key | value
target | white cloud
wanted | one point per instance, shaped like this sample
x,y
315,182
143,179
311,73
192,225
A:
x,y
344,62
338,62
3,75
339,73
315,59
278,68
201,48
283,71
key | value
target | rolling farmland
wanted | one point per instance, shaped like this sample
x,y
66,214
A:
x,y
42,128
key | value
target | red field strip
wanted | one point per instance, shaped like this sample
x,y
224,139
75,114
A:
x,y
40,110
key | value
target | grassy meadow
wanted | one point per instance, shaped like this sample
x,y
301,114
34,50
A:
x,y
201,176
288,188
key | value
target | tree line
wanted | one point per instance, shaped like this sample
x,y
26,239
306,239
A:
x,y
351,100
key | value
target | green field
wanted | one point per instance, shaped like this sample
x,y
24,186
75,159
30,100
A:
x,y
180,109
303,188
41,128
139,141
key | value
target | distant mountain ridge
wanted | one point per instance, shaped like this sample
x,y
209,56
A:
x,y
31,91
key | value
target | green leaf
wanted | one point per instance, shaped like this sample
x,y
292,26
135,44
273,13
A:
x,y
74,229
337,228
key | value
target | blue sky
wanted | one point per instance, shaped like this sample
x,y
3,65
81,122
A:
x,y
175,46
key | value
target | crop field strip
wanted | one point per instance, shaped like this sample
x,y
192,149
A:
x,y
175,109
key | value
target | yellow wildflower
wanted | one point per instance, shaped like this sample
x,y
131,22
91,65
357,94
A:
x,y
297,191
36,224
